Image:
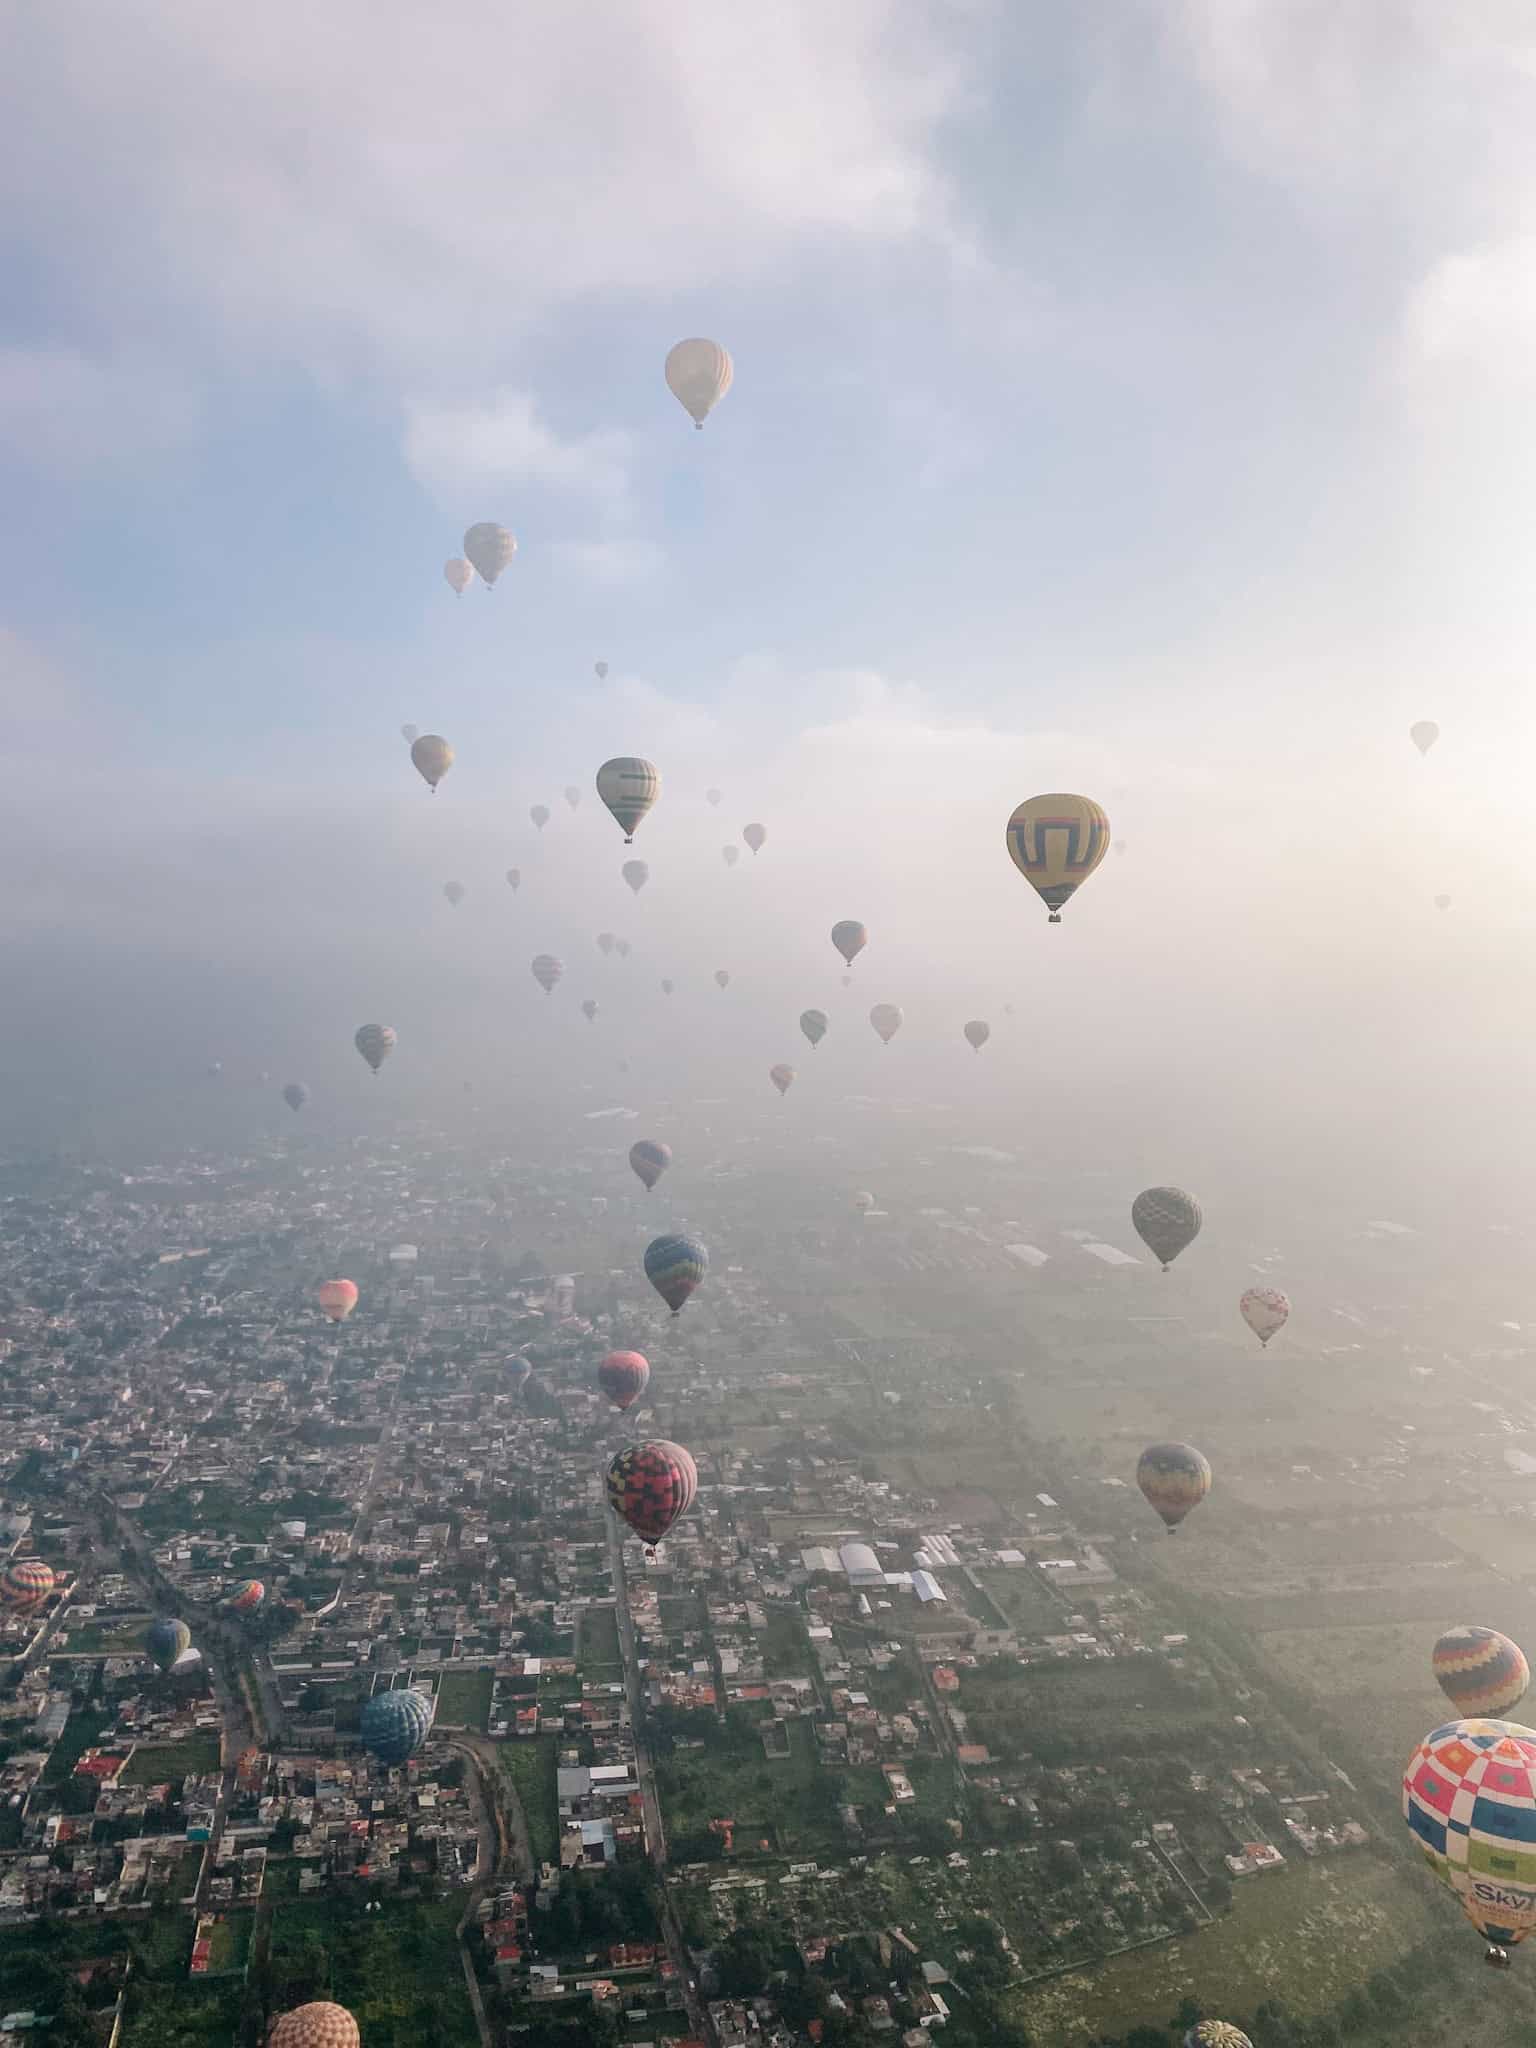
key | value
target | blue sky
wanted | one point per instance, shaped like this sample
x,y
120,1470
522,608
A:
x,y
1133,398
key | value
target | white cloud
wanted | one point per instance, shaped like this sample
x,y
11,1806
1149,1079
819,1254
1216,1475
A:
x,y
452,448
617,563
367,191
61,410
1475,309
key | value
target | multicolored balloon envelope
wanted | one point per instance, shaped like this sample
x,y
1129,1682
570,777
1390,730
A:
x,y
165,1641
1480,1671
1216,2034
624,1377
375,1042
432,757
650,1159
246,1596
1264,1310
675,1266
1174,1478
1166,1220
650,1485
782,1077
1056,842
395,1725
319,2025
698,373
25,1584
1469,1798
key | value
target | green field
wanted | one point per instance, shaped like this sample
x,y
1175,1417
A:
x,y
120,1636
185,2015
1028,1603
530,1767
599,1639
398,1972
171,1760
464,1699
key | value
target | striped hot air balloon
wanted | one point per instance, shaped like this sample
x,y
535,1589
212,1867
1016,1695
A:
x,y
1480,1671
675,1266
650,1160
1174,1479
629,787
1469,1798
318,2025
650,1485
246,1597
1056,842
624,1377
698,373
25,1584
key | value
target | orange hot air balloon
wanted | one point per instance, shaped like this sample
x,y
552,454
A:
x,y
337,1298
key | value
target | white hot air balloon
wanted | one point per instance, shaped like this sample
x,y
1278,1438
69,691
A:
x,y
1264,1310
489,548
410,734
1424,734
698,376
629,787
600,670
458,573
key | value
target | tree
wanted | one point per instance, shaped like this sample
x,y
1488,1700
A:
x,y
745,1961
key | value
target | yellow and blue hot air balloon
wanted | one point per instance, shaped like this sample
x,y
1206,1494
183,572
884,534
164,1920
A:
x,y
1469,1798
1174,1479
1056,842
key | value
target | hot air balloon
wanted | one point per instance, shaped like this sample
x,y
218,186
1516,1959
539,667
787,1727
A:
x,y
698,377
621,947
1467,1799
754,835
1480,1671
650,1159
459,574
636,873
25,1584
1056,842
675,1266
215,1068
977,1032
1216,2034
490,548
730,855
589,1009
410,734
814,1025
886,1018
1424,734
432,756
781,1076
712,796
395,1725
629,787
667,987
1442,903
337,1299
318,2025
850,938
546,970
572,795
454,891
519,1372
295,1094
375,1042
624,1377
1174,1478
650,1486
1166,1220
246,1596
722,978
515,879
600,670
606,943
1264,1310
540,816
863,1199
165,1641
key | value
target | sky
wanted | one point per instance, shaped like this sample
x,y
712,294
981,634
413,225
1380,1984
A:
x,y
1134,400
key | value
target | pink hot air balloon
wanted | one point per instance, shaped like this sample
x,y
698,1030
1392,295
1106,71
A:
x,y
624,1377
459,574
1264,1310
337,1299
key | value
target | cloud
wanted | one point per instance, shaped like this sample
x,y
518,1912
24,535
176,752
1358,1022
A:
x,y
366,193
450,448
64,411
1474,310
618,563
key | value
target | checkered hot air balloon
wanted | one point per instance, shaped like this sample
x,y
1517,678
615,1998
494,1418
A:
x,y
1469,1798
1174,1478
624,1377
650,1159
675,1266
650,1485
25,1584
395,1725
320,2025
1166,1220
1480,1671
1216,2034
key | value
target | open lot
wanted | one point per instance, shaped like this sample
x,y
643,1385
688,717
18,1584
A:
x,y
464,1699
599,1638
154,1763
397,1971
529,1763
